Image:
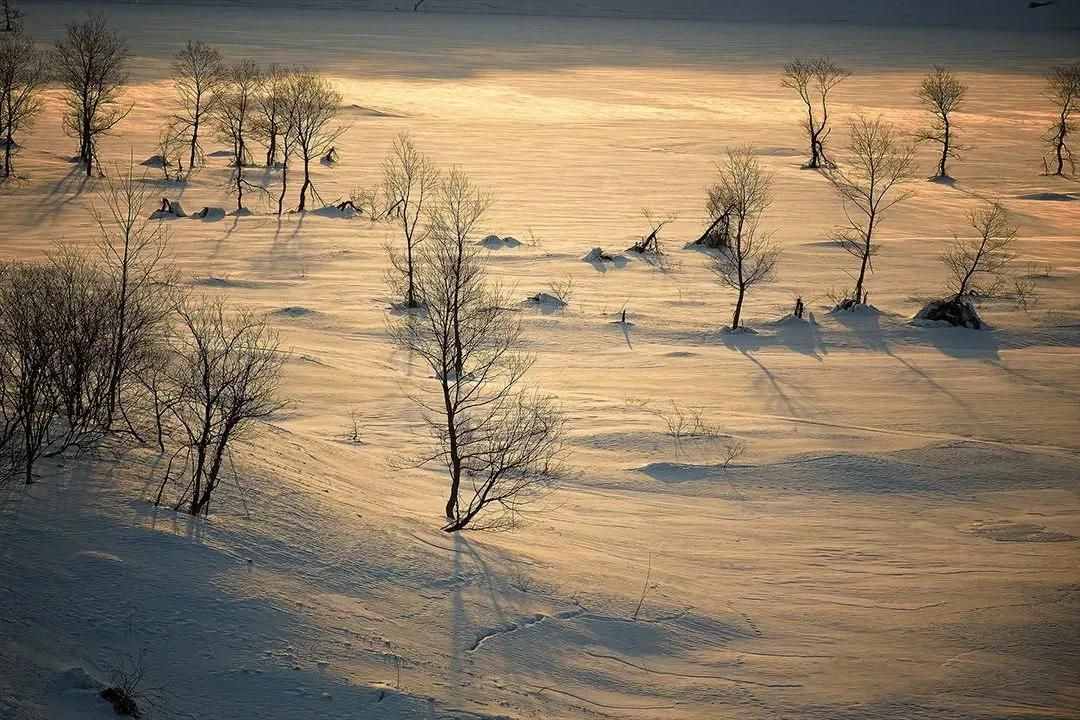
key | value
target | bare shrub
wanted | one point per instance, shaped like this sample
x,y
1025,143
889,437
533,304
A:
x,y
813,79
941,93
976,266
880,166
90,63
222,383
562,290
500,443
750,256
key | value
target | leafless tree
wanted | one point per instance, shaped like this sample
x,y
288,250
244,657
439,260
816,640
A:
x,y
941,93
750,256
234,116
1063,89
976,265
90,63
29,398
198,73
133,258
170,150
224,382
409,183
499,442
880,166
313,105
23,75
12,16
271,113
813,79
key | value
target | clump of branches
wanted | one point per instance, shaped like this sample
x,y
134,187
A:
x,y
813,79
683,422
750,256
221,383
977,266
650,243
562,290
1062,89
941,93
500,443
23,75
90,62
880,166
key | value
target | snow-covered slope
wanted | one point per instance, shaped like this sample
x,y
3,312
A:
x,y
898,541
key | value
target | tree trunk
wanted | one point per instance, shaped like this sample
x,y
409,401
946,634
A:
x,y
455,461
284,186
738,308
304,187
194,139
1063,130
942,172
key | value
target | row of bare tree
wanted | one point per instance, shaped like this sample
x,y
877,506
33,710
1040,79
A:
x,y
942,94
873,180
289,111
103,349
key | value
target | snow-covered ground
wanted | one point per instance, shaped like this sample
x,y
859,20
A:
x,y
898,540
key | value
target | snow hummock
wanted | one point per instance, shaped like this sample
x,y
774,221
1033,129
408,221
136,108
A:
x,y
956,311
494,242
209,214
547,299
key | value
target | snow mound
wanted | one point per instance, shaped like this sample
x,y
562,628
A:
x,y
221,153
346,211
855,308
543,298
599,258
295,311
958,312
241,212
154,161
741,330
169,209
210,214
790,321
494,242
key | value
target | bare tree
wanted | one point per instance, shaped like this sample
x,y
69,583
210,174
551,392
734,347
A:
x,y
133,258
1063,89
198,73
12,16
170,150
234,116
941,93
271,113
409,181
499,443
976,265
750,256
30,402
90,63
880,168
813,79
224,381
23,75
313,106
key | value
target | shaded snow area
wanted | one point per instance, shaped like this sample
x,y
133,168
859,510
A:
x,y
843,516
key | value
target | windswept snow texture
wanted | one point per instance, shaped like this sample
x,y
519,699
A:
x,y
897,540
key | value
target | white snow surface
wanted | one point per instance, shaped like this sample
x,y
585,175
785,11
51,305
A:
x,y
898,539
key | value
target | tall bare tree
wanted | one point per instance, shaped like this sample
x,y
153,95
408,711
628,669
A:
x,y
224,382
499,442
410,180
813,79
880,166
23,75
271,111
750,257
313,105
1063,89
235,117
133,258
976,265
90,63
941,93
198,73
